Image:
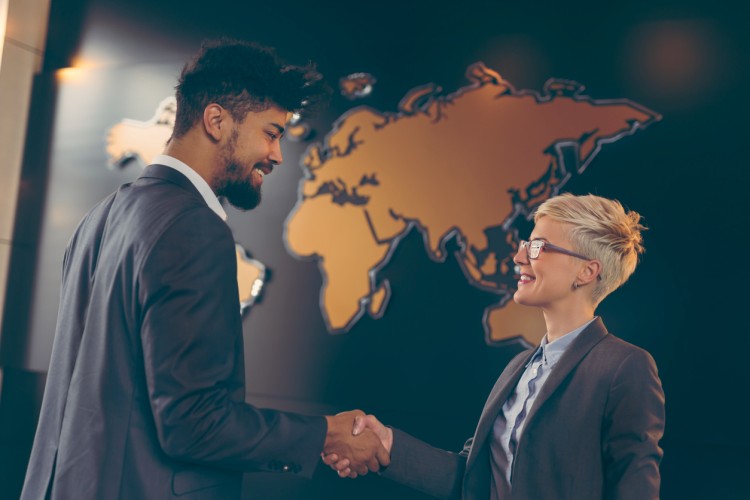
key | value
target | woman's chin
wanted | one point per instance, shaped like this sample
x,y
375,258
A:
x,y
519,299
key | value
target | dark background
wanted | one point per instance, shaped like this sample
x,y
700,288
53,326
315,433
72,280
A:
x,y
424,366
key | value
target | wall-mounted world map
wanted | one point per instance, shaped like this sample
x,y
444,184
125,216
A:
x,y
461,166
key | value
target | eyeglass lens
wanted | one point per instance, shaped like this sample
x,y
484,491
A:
x,y
533,248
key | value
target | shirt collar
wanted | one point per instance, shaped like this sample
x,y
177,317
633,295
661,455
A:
x,y
552,351
199,182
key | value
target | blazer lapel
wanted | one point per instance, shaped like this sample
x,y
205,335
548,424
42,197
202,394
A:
x,y
507,382
499,394
592,335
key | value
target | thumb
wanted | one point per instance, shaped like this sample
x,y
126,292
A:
x,y
359,425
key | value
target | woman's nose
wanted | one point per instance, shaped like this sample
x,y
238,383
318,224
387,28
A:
x,y
521,257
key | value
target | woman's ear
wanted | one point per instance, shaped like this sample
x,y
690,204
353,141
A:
x,y
589,272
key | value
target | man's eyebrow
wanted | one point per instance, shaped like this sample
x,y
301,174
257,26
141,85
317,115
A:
x,y
278,127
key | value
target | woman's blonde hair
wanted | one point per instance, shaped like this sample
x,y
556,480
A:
x,y
599,229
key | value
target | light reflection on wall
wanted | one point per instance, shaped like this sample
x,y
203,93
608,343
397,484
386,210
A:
x,y
77,71
3,21
682,63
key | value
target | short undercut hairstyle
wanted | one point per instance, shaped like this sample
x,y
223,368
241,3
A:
x,y
242,77
600,229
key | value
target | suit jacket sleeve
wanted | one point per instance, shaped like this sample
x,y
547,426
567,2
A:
x,y
633,425
418,465
191,337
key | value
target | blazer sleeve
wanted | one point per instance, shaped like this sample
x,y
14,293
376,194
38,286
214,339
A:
x,y
418,465
633,425
191,337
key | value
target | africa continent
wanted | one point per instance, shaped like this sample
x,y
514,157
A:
x,y
464,165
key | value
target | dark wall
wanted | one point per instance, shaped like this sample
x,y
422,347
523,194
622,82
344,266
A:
x,y
425,366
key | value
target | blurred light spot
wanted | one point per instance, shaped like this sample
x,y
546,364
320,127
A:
x,y
77,72
676,61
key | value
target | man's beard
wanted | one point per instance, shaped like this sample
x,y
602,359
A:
x,y
238,190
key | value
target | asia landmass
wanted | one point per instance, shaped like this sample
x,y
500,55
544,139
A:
x,y
463,165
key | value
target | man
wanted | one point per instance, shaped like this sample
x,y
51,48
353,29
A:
x,y
145,392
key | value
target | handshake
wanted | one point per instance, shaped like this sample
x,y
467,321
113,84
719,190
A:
x,y
356,444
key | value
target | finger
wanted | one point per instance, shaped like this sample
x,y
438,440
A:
x,y
341,464
373,465
329,459
361,470
351,475
359,425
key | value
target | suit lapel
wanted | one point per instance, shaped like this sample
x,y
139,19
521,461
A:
x,y
592,335
507,382
499,394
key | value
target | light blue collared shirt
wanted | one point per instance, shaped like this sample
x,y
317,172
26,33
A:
x,y
510,422
200,184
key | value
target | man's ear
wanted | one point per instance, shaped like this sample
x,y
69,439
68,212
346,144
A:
x,y
214,121
589,272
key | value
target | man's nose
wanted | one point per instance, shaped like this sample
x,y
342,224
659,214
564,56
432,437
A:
x,y
275,156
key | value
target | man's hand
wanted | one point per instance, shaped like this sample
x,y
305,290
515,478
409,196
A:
x,y
364,450
362,424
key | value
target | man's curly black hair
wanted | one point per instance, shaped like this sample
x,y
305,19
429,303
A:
x,y
242,77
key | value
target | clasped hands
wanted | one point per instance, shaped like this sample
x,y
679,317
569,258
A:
x,y
356,444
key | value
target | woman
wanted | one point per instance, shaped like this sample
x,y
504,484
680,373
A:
x,y
580,416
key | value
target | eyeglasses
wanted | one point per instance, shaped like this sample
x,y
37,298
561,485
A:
x,y
534,249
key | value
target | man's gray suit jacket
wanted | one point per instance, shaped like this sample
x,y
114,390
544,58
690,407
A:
x,y
592,433
146,386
